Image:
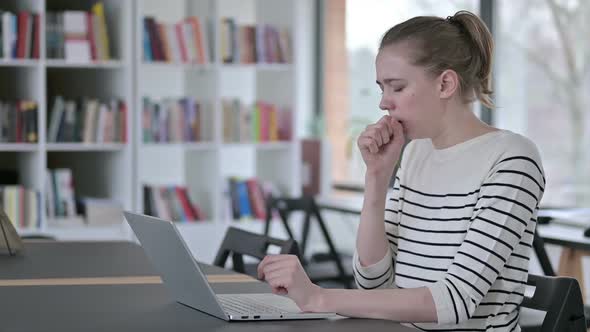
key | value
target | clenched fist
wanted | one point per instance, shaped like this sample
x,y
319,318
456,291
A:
x,y
286,276
381,145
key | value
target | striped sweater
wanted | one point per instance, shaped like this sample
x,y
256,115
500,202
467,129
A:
x,y
461,221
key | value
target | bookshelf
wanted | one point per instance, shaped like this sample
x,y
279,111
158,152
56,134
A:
x,y
204,166
119,170
100,170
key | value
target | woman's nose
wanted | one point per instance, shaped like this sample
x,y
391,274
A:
x,y
386,103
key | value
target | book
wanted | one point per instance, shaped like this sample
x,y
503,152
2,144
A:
x,y
170,203
98,11
244,200
64,183
101,211
77,45
257,200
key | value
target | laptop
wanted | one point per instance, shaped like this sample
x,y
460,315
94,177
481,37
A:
x,y
183,277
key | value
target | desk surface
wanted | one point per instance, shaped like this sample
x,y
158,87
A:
x,y
564,235
128,307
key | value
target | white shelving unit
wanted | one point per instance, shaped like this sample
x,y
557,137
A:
x,y
212,82
205,167
119,171
99,170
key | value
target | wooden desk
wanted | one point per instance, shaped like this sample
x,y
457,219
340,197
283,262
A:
x,y
89,305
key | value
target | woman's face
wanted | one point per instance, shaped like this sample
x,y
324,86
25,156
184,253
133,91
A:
x,y
409,93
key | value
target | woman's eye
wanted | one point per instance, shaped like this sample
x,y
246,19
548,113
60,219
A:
x,y
398,89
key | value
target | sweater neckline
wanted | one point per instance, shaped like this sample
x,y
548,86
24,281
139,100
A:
x,y
452,151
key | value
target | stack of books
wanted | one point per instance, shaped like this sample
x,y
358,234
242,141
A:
x,y
171,203
18,121
87,120
60,197
246,198
262,43
78,36
187,41
176,120
22,205
19,35
261,122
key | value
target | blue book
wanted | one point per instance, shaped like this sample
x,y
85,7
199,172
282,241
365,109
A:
x,y
244,200
147,47
15,40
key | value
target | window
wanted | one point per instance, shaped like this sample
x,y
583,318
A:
x,y
364,26
542,84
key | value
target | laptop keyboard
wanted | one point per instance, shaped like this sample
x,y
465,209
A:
x,y
244,305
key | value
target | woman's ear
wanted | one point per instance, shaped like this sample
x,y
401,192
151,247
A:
x,y
449,83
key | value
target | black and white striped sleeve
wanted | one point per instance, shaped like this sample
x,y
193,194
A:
x,y
380,274
503,220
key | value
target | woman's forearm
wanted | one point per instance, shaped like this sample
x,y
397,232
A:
x,y
402,305
371,243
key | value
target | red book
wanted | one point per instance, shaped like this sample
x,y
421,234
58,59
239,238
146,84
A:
x,y
199,40
256,199
181,41
199,214
264,121
186,205
21,44
155,41
36,36
123,110
90,36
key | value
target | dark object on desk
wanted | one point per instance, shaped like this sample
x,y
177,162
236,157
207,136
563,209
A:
x,y
561,299
306,204
587,232
38,237
542,220
239,243
10,242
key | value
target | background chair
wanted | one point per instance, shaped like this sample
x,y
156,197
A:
x,y
321,267
239,243
561,299
541,252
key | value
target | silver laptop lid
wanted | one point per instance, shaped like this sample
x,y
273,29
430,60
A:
x,y
180,272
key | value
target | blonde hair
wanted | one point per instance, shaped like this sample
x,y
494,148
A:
x,y
461,42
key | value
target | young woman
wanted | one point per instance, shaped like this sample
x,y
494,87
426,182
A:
x,y
449,247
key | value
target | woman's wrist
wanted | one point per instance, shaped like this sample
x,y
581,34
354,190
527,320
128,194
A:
x,y
317,300
377,180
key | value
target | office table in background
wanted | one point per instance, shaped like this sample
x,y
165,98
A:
x,y
118,290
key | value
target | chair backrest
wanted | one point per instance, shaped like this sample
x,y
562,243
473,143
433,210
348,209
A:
x,y
285,206
561,299
239,243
